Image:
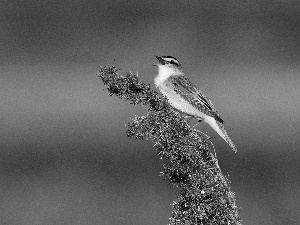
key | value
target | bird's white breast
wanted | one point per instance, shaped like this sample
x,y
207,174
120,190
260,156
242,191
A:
x,y
164,73
178,102
175,99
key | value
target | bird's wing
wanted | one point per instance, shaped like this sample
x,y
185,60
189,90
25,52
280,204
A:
x,y
194,96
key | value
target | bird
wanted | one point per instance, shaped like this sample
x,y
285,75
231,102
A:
x,y
185,97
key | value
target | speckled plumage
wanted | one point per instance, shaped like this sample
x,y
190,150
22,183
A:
x,y
193,95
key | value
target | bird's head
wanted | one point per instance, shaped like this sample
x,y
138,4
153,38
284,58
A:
x,y
169,64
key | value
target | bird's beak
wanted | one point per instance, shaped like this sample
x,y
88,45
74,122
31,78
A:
x,y
160,59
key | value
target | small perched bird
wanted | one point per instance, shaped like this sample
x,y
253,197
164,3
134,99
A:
x,y
186,97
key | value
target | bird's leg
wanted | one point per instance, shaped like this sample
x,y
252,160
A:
x,y
198,121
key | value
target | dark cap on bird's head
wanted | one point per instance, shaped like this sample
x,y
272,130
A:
x,y
169,60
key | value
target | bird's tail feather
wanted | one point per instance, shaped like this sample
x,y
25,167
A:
x,y
219,128
225,136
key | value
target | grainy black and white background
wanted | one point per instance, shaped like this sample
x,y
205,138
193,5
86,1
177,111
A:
x,y
64,155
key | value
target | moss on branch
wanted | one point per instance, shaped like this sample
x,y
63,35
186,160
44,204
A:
x,y
186,153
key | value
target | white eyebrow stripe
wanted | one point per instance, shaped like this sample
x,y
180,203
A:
x,y
171,59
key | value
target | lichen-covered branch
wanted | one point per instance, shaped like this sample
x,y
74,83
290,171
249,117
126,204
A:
x,y
188,162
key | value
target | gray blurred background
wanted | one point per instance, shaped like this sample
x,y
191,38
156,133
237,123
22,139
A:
x,y
65,157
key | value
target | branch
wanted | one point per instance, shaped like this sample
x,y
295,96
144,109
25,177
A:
x,y
188,163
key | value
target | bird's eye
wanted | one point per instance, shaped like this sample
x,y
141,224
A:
x,y
173,62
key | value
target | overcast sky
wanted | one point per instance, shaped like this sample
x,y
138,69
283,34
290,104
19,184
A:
x,y
244,55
